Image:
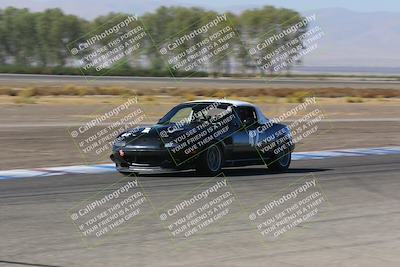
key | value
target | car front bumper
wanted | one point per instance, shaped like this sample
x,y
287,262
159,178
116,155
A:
x,y
146,161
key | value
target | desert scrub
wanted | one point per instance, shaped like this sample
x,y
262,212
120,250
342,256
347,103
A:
x,y
189,97
297,97
354,100
26,96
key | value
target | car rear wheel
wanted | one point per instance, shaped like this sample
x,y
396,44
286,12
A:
x,y
281,162
210,161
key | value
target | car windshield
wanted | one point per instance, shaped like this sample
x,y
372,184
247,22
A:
x,y
194,112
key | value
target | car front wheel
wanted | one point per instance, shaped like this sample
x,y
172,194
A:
x,y
210,161
281,162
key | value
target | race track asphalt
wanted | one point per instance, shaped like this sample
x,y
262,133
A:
x,y
358,226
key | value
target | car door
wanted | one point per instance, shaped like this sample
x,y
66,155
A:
x,y
242,143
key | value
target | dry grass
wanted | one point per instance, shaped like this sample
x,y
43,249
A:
x,y
354,100
68,90
189,97
297,97
8,91
268,94
272,102
26,96
24,100
149,98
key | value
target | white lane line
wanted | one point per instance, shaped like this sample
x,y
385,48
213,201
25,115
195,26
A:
x,y
108,168
89,169
20,173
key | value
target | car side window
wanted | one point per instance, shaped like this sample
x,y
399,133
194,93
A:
x,y
185,114
247,115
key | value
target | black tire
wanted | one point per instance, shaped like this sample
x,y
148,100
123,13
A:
x,y
210,161
281,162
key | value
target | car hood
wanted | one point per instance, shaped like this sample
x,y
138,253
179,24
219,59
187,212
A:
x,y
157,130
153,135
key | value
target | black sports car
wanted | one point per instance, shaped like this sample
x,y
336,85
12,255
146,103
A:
x,y
205,135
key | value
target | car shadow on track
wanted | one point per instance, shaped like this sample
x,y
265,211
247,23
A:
x,y
263,171
237,172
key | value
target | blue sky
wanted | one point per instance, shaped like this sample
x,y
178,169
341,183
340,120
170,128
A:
x,y
356,5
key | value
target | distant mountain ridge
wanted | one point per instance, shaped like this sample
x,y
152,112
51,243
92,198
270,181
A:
x,y
356,39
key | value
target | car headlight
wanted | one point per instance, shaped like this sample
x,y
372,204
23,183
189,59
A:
x,y
169,145
119,143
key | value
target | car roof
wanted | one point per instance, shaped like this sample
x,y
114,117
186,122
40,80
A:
x,y
260,115
235,103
